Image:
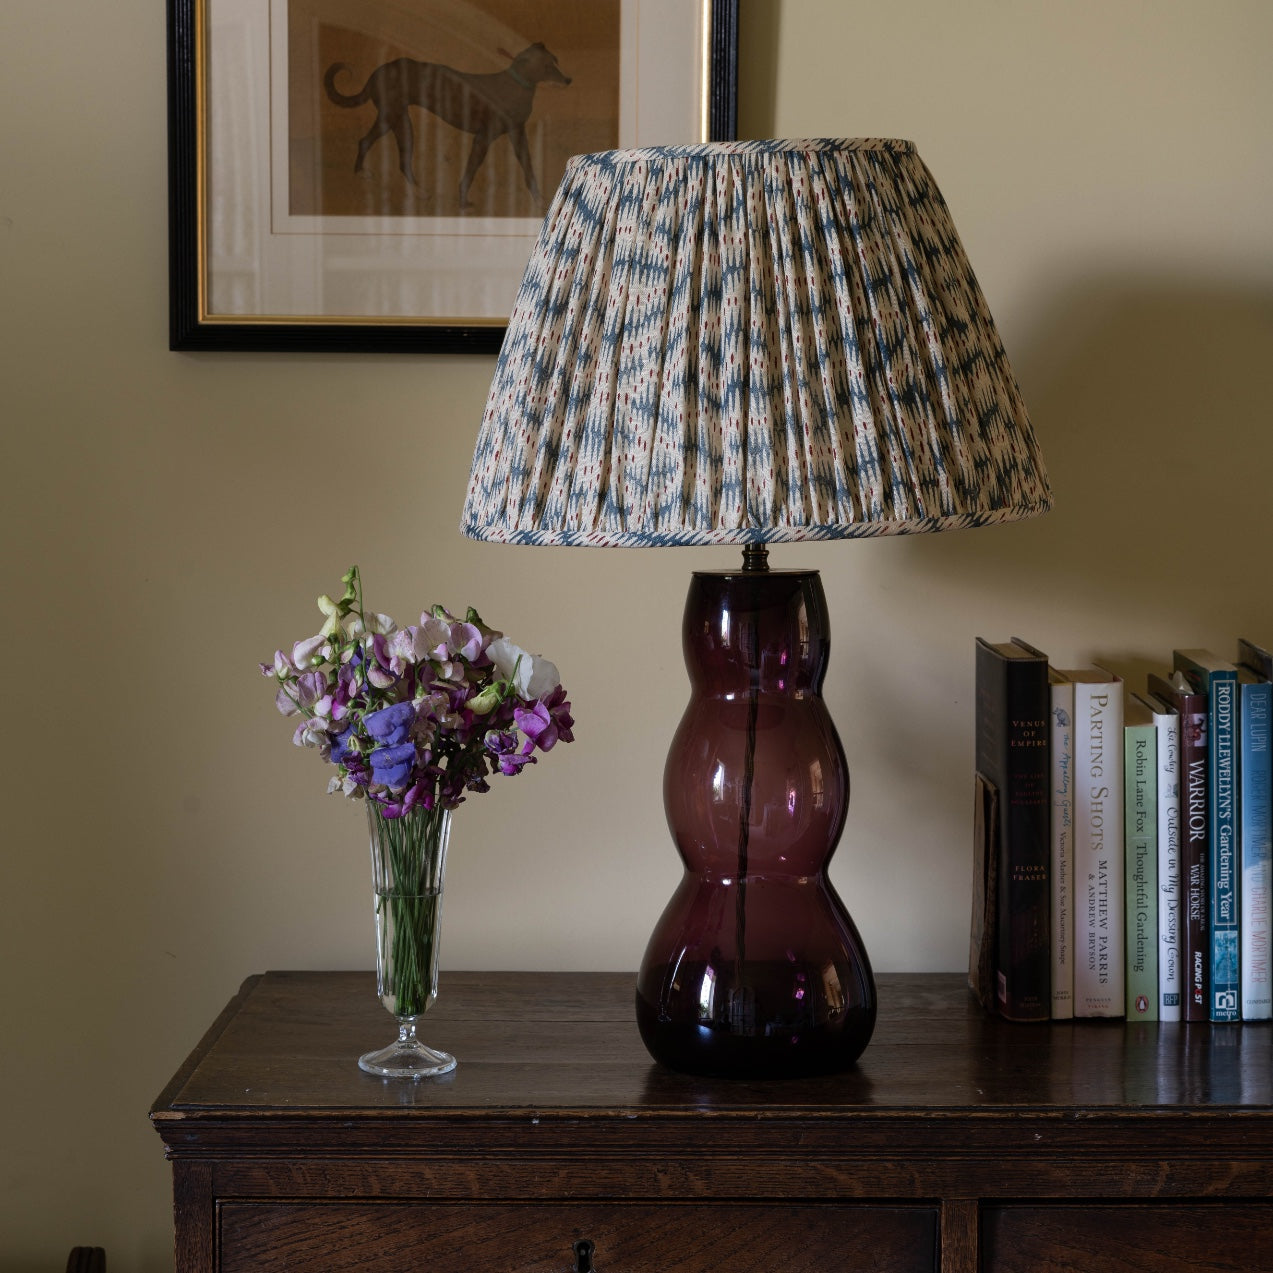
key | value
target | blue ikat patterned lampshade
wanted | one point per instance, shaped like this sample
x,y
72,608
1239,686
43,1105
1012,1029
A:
x,y
750,341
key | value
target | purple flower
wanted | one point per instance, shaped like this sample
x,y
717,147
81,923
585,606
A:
x,y
559,709
340,746
392,765
502,744
390,725
539,725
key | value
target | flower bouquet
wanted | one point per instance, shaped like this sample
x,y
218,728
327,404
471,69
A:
x,y
413,718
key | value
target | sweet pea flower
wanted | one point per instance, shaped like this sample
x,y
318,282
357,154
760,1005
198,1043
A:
x,y
558,706
466,640
390,725
308,652
434,636
311,733
405,648
391,766
503,745
303,693
346,786
537,724
341,748
416,717
281,668
531,676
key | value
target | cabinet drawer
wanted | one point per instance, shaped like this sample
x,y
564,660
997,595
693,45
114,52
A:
x,y
323,1237
1176,1237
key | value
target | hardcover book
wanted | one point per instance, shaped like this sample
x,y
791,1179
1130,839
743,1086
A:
x,y
1140,846
1255,781
1099,973
1012,700
984,931
1170,985
1218,679
1190,707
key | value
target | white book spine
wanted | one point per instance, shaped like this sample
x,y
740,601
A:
x,y
1062,827
1099,922
1170,985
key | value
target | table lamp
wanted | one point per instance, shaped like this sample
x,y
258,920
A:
x,y
748,343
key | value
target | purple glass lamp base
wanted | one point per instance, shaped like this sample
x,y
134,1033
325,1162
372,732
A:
x,y
755,969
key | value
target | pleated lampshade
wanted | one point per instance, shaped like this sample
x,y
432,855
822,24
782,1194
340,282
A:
x,y
750,342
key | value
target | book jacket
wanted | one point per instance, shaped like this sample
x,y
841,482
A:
x,y
1061,764
1099,969
1170,985
1140,844
1255,782
1218,680
1190,707
1012,700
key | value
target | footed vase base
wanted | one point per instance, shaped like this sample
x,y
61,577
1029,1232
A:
x,y
407,1058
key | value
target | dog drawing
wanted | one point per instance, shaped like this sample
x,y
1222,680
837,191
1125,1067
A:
x,y
487,106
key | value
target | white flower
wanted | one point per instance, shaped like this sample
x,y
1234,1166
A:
x,y
532,676
374,625
433,636
308,653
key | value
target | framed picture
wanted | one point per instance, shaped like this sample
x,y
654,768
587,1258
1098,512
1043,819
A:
x,y
370,176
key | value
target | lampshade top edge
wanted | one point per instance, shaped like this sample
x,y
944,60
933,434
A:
x,y
741,149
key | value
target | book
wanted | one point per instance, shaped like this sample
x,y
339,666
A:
x,y
984,930
1170,981
1255,781
1012,755
1218,679
1099,973
1140,848
1061,766
1190,707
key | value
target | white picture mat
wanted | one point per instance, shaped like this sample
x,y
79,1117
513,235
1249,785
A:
x,y
261,263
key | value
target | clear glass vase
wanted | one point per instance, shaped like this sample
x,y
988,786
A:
x,y
408,863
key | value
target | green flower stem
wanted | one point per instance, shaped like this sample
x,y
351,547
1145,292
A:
x,y
408,857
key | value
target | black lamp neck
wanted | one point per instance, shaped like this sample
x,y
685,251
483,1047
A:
x,y
755,559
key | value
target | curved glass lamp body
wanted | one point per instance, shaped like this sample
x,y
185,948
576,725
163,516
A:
x,y
756,968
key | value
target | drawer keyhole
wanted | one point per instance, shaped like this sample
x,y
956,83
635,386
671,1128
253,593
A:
x,y
583,1256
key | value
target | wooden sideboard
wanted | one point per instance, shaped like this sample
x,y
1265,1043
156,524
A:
x,y
959,1143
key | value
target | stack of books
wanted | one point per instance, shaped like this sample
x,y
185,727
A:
x,y
1123,838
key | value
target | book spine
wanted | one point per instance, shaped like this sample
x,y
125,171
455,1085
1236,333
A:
x,y
1012,752
1024,945
1225,990
1195,868
1140,803
1170,981
1062,829
1255,781
1098,856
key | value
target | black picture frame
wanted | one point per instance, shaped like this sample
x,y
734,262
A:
x,y
188,329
